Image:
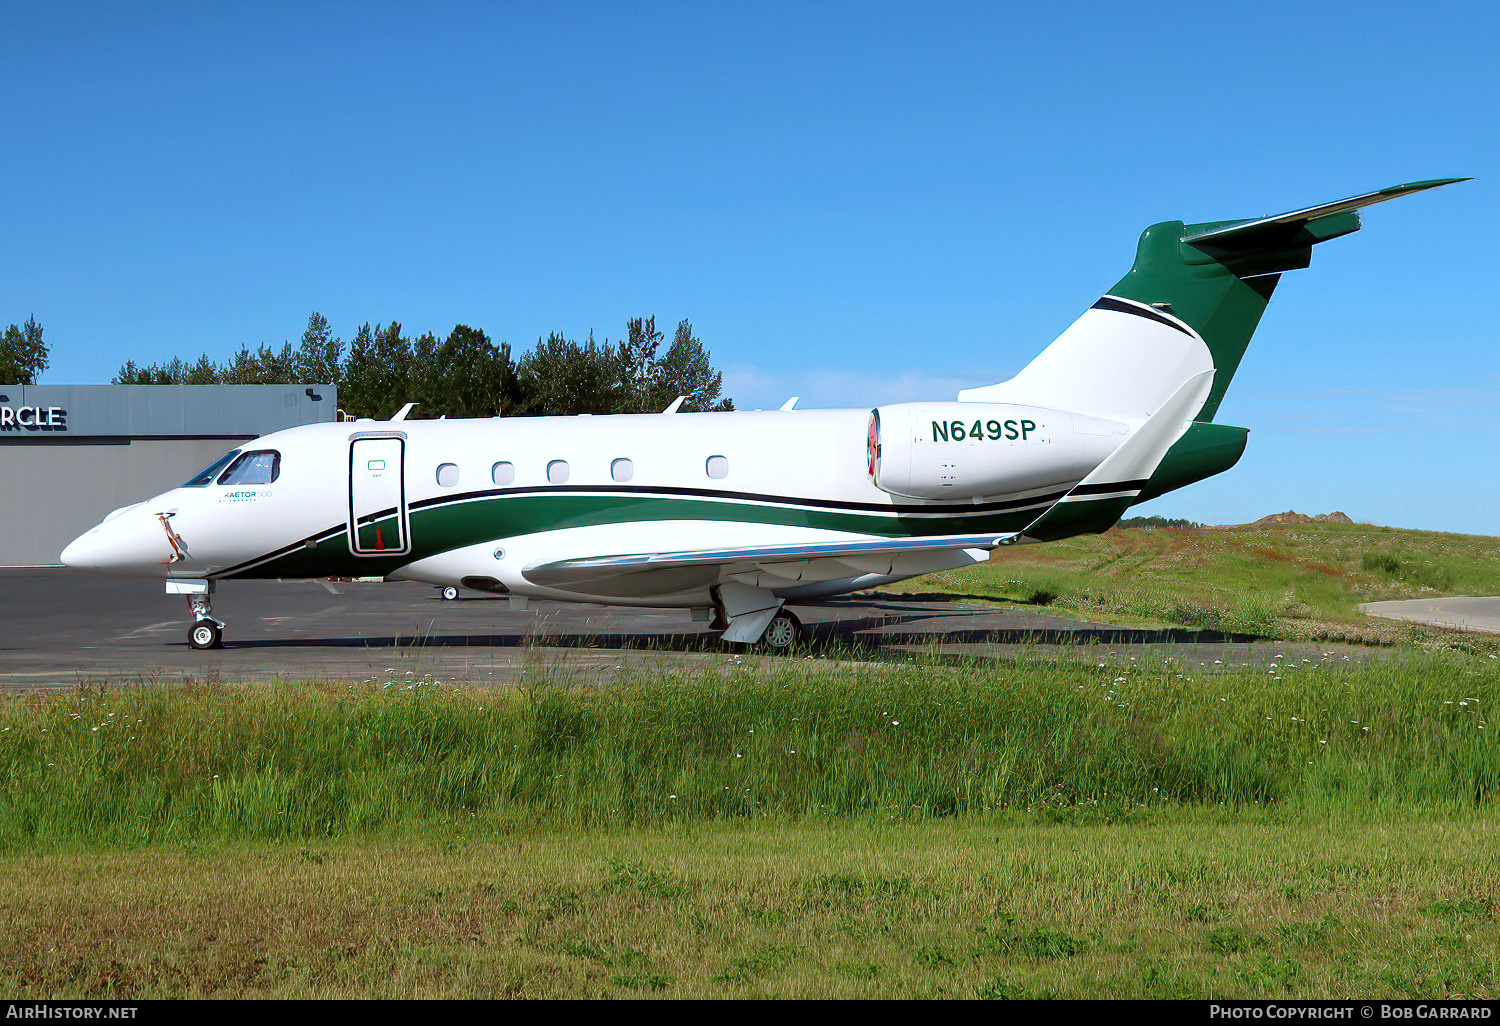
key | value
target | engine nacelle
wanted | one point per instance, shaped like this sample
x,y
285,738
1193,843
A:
x,y
968,450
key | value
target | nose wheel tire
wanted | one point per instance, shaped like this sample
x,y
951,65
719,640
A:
x,y
206,634
784,631
450,593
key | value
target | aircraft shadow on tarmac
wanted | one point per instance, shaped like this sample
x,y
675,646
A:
x,y
834,637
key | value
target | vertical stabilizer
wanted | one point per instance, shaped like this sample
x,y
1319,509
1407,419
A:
x,y
1190,303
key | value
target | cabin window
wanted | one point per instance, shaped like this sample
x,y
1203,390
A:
x,y
622,470
503,474
557,472
718,467
447,475
211,471
253,468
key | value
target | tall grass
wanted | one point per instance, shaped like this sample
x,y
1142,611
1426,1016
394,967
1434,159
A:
x,y
800,739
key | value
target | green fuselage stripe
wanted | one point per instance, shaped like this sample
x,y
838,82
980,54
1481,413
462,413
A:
x,y
443,527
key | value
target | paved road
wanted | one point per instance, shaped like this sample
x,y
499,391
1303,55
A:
x,y
59,629
1475,614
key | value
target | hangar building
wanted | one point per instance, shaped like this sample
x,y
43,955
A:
x,y
69,454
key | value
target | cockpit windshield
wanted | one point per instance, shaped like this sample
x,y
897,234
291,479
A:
x,y
211,471
254,468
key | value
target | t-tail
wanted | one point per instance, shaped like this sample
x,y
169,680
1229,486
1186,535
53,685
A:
x,y
1188,306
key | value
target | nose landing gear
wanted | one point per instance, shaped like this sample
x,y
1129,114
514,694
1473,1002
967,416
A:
x,y
207,630
206,634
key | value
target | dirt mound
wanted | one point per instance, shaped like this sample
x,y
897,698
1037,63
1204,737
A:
x,y
1289,517
1292,517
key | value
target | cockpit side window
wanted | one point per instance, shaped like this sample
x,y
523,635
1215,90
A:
x,y
211,471
253,468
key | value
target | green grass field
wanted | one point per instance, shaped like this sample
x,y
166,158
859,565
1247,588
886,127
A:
x,y
1192,905
795,828
1295,581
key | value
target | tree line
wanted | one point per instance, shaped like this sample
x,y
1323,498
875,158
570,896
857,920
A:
x,y
468,375
1154,522
23,354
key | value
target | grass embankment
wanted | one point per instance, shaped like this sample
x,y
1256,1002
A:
x,y
1031,829
1280,580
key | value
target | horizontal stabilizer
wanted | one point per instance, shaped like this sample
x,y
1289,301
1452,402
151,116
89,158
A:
x,y
1257,229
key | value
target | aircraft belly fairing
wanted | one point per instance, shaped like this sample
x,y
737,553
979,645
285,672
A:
x,y
556,563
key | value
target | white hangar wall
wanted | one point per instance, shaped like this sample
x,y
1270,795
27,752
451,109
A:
x,y
69,454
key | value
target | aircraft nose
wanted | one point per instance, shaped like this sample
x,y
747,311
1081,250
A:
x,y
78,555
129,541
92,550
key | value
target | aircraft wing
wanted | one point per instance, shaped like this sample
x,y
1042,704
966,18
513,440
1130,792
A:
x,y
810,561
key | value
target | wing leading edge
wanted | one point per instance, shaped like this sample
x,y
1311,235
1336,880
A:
x,y
587,572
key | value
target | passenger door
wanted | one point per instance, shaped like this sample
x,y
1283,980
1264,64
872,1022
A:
x,y
378,524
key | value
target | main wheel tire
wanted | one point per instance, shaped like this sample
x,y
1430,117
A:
x,y
784,631
450,593
206,634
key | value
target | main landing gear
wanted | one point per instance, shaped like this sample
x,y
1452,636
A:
x,y
750,615
207,630
784,631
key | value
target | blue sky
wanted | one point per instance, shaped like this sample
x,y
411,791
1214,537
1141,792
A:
x,y
855,203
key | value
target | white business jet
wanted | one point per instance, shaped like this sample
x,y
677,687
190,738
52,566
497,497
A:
x,y
734,515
